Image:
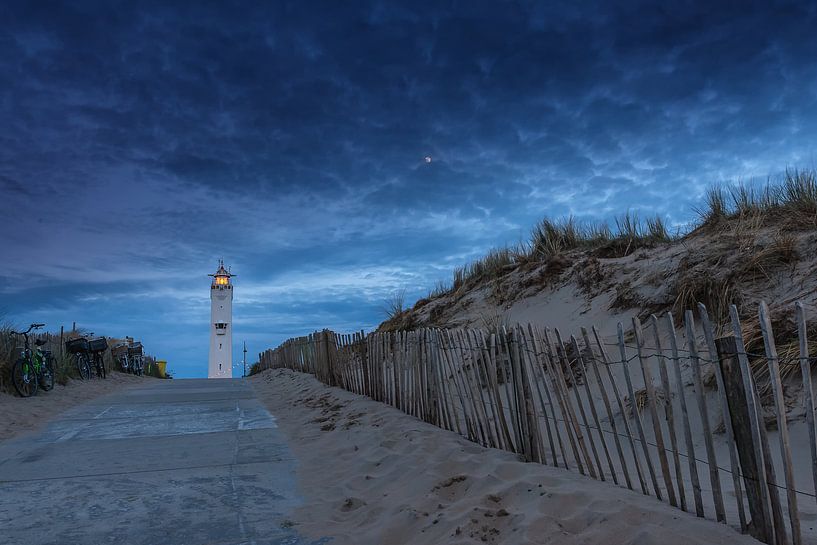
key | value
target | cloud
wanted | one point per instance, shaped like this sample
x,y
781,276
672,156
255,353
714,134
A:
x,y
139,144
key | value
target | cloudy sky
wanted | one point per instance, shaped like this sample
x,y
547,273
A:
x,y
139,145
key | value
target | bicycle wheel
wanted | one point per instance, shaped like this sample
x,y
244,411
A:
x,y
24,378
46,376
101,372
83,366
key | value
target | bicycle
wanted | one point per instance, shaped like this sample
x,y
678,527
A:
x,y
34,367
120,354
97,347
136,358
79,349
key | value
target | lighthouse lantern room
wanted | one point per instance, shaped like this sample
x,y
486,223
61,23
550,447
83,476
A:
x,y
221,326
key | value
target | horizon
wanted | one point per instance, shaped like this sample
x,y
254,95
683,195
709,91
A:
x,y
335,160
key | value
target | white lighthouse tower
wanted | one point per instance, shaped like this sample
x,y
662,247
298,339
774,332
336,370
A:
x,y
221,324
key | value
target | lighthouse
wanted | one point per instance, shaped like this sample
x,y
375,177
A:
x,y
221,324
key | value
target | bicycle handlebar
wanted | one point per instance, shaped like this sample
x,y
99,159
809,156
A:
x,y
27,331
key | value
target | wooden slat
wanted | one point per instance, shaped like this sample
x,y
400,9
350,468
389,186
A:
x,y
405,385
580,448
714,478
422,366
610,417
414,372
782,426
595,470
459,387
690,446
808,390
397,368
488,351
483,397
510,389
567,419
528,383
431,405
447,387
668,412
480,371
521,403
617,394
636,416
367,378
411,379
471,380
646,374
535,336
594,413
418,386
466,368
734,466
537,377
485,369
436,410
493,371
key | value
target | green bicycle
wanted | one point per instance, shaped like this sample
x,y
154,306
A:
x,y
34,367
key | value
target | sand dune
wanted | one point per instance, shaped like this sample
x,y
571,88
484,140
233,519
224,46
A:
x,y
372,475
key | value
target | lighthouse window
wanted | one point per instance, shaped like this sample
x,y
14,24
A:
x,y
219,367
219,346
221,280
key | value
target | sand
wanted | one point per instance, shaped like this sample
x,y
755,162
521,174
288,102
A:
x,y
20,415
372,475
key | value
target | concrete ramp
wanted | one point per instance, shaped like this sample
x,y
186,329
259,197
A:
x,y
180,461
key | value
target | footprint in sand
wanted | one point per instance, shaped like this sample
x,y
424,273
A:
x,y
351,504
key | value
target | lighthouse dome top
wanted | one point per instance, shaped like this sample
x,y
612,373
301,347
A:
x,y
222,275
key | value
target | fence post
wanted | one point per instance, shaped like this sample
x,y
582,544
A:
x,y
329,362
760,441
760,524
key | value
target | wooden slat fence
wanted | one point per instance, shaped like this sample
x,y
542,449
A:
x,y
644,419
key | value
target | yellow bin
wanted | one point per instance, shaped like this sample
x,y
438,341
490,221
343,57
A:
x,y
162,367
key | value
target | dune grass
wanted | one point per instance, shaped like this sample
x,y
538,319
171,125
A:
x,y
741,208
394,305
7,354
792,203
398,317
550,239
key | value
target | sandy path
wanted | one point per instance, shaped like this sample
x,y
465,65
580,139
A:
x,y
372,475
18,415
